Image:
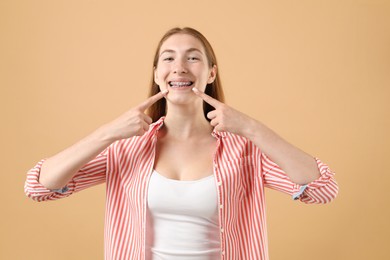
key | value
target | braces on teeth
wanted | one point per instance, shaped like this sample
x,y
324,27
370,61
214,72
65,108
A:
x,y
180,84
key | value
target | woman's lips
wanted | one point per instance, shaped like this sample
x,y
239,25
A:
x,y
180,84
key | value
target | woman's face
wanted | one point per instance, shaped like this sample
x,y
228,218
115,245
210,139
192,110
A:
x,y
182,65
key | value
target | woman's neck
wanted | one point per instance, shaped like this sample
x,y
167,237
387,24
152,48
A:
x,y
186,122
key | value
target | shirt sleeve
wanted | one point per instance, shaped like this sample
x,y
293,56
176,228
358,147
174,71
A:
x,y
322,190
91,174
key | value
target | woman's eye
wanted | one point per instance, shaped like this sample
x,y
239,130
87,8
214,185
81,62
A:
x,y
168,59
193,58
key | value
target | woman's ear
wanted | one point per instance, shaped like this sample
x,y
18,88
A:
x,y
212,75
155,75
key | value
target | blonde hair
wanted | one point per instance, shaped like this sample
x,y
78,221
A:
x,y
213,89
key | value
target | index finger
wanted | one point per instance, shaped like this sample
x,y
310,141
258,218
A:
x,y
151,100
209,100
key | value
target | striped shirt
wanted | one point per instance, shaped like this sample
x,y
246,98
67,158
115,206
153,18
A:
x,y
241,171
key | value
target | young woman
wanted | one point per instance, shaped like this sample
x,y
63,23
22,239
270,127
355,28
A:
x,y
186,179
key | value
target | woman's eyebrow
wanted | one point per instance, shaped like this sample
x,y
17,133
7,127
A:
x,y
170,51
194,49
187,51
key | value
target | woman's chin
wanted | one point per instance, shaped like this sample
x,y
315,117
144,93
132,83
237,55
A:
x,y
181,100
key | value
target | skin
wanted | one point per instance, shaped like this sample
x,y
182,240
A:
x,y
300,167
59,169
185,146
178,155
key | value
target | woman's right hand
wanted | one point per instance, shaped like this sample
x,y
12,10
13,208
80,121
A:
x,y
59,169
133,122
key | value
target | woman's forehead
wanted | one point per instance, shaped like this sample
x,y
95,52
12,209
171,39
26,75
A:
x,y
181,43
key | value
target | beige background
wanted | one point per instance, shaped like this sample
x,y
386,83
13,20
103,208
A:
x,y
317,72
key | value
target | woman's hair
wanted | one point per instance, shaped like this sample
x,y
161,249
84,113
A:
x,y
214,89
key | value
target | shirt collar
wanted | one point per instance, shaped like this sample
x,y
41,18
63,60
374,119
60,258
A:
x,y
218,134
158,124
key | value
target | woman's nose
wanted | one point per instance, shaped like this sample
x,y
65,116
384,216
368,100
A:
x,y
179,67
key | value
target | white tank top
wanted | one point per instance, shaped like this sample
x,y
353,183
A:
x,y
182,219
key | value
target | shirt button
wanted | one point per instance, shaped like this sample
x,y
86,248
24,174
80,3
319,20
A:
x,y
219,183
221,206
221,230
223,252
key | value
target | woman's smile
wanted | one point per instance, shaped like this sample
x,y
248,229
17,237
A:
x,y
180,84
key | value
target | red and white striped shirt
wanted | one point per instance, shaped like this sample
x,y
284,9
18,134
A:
x,y
241,171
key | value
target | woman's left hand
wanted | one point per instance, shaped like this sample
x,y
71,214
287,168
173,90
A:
x,y
225,118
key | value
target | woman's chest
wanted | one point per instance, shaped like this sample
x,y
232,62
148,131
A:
x,y
185,161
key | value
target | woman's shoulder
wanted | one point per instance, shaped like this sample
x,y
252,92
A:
x,y
238,148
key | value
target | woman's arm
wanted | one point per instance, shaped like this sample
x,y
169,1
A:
x,y
59,169
300,167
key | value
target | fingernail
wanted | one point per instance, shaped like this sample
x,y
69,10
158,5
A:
x,y
165,91
195,89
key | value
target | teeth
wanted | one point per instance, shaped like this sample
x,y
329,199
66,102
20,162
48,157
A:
x,y
180,84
